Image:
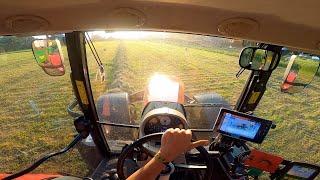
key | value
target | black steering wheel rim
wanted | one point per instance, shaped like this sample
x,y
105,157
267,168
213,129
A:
x,y
124,154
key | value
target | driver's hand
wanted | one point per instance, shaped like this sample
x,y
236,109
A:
x,y
177,141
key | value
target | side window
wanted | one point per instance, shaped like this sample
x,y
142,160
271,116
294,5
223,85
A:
x,y
33,119
296,114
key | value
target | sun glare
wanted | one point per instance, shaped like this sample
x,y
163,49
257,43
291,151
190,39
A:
x,y
40,37
162,88
119,34
129,34
126,34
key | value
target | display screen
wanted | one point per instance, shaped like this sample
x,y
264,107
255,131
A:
x,y
239,126
299,172
242,126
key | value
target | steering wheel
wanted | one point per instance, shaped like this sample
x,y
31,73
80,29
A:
x,y
155,136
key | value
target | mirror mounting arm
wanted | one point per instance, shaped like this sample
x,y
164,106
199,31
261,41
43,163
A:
x,y
241,70
253,91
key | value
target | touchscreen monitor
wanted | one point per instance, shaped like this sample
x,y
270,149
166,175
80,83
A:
x,y
242,126
298,170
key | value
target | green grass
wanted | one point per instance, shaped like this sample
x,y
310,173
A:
x,y
26,136
297,136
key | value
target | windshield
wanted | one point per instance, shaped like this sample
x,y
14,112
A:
x,y
34,120
204,65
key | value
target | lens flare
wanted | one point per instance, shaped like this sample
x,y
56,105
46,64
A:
x,y
163,88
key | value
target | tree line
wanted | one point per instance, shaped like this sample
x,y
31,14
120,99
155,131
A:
x,y
15,43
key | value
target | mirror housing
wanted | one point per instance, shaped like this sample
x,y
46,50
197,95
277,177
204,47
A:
x,y
48,55
259,59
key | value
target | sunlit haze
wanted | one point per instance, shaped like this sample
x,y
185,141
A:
x,y
127,34
40,37
120,34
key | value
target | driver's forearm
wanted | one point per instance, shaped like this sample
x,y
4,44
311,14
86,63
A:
x,y
149,172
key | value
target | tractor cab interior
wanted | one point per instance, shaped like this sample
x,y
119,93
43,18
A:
x,y
250,90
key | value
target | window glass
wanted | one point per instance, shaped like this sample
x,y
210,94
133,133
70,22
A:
x,y
33,120
296,113
204,64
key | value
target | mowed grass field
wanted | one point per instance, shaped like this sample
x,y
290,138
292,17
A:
x,y
33,119
26,135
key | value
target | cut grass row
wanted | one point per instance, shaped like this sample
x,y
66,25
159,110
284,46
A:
x,y
201,71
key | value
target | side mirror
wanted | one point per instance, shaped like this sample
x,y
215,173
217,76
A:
x,y
300,72
254,58
48,55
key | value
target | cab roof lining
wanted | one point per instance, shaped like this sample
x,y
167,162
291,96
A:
x,y
294,24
